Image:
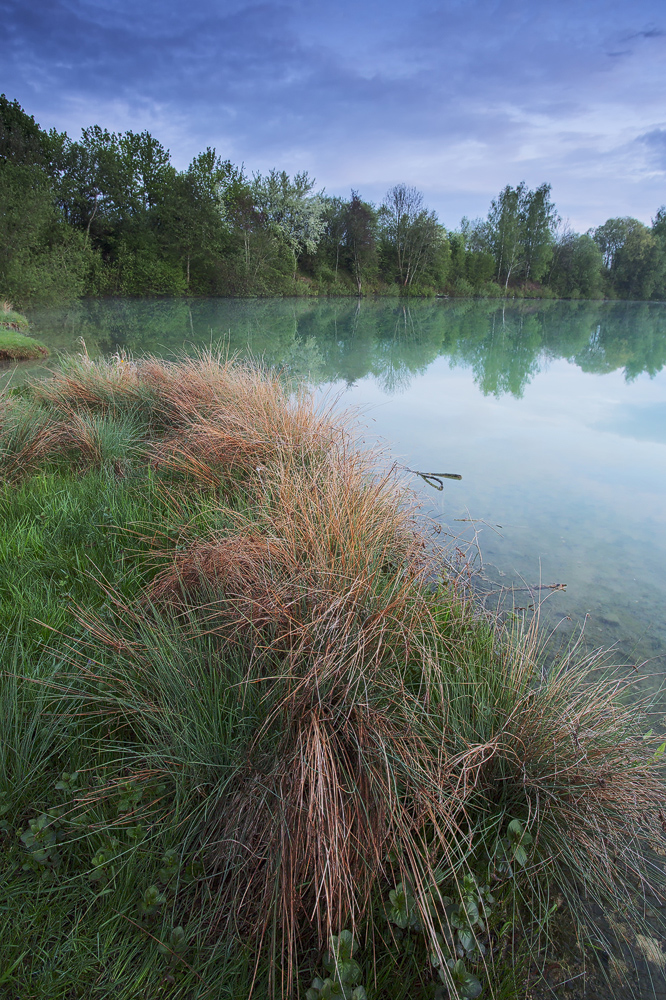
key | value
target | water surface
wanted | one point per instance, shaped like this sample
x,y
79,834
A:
x,y
553,413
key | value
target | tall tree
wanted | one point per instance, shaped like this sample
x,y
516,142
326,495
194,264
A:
x,y
291,209
25,143
538,220
41,258
410,232
191,212
610,238
334,217
519,232
503,235
634,257
576,269
259,246
111,178
147,170
360,241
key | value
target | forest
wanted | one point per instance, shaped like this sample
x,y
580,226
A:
x,y
109,214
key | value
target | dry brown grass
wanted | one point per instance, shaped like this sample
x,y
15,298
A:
x,y
225,415
79,383
208,416
394,746
319,548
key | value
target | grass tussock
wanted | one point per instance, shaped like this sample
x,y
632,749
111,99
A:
x,y
316,549
265,676
205,417
24,429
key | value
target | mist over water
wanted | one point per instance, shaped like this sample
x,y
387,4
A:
x,y
554,414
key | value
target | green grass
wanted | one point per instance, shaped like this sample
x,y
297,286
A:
x,y
237,719
16,346
65,539
67,543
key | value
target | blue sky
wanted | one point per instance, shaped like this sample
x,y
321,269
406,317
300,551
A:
x,y
457,97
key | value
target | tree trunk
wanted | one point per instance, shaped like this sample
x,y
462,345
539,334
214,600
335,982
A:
x,y
94,213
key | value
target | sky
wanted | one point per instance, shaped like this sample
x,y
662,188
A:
x,y
455,97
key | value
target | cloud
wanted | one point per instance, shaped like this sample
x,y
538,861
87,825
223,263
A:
x,y
656,144
456,96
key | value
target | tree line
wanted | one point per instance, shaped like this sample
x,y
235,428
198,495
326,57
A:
x,y
109,214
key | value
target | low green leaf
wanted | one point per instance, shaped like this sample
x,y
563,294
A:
x,y
520,855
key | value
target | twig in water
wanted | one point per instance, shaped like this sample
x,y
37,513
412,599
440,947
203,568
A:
x,y
432,478
540,586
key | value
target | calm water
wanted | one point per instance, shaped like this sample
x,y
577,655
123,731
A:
x,y
553,413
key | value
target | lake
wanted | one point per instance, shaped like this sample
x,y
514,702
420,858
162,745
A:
x,y
554,414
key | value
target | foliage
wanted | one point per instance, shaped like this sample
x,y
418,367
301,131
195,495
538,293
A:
x,y
359,238
411,235
576,269
108,213
343,971
290,208
41,257
633,257
519,233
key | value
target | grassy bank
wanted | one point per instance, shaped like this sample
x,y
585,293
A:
x,y
248,749
14,344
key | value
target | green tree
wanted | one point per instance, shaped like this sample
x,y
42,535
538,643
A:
x,y
191,213
96,183
290,208
502,232
258,259
634,257
577,266
610,238
360,239
25,143
479,264
41,258
111,178
519,232
538,220
334,217
410,234
659,232
146,171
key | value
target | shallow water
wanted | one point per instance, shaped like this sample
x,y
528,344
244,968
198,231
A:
x,y
553,413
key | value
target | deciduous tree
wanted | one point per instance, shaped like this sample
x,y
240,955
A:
x,y
410,233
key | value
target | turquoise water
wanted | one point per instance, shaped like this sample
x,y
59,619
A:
x,y
553,413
